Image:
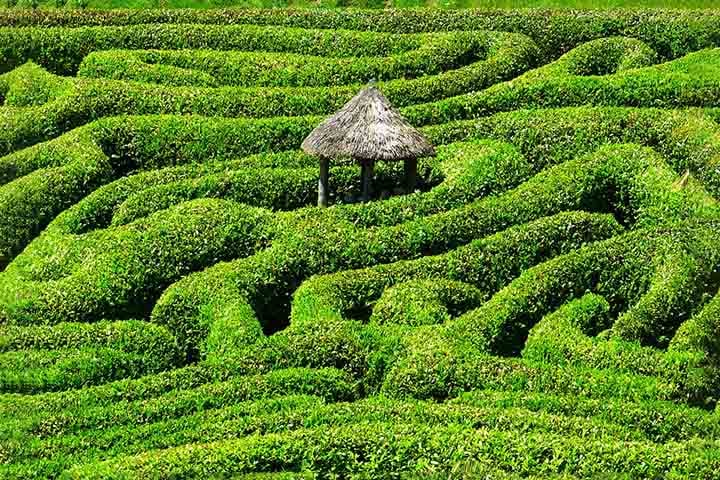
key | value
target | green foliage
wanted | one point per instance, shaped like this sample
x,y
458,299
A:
x,y
73,355
428,302
379,449
327,66
543,304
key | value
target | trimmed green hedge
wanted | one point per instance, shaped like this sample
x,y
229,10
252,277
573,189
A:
x,y
321,303
659,421
54,370
434,54
56,416
271,188
123,269
550,290
557,84
97,209
284,414
669,32
563,337
67,355
149,146
626,78
91,169
550,192
496,56
699,333
618,270
635,175
425,302
61,50
380,449
62,267
435,364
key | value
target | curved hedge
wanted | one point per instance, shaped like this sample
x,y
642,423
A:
x,y
543,305
494,56
377,449
563,338
625,77
415,303
62,49
434,54
91,163
74,355
669,32
131,264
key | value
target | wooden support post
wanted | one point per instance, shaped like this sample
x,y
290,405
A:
x,y
410,174
323,182
367,168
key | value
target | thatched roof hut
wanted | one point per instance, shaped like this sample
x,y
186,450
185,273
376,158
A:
x,y
367,129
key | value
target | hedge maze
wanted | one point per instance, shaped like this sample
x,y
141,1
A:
x,y
546,305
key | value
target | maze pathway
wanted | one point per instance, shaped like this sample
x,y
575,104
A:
x,y
172,305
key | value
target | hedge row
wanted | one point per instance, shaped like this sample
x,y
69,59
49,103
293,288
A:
x,y
67,355
152,142
670,33
51,177
321,303
98,209
32,85
616,268
494,410
680,136
75,251
563,338
380,449
48,456
435,54
121,271
168,149
501,56
58,416
562,83
461,173
55,370
61,50
129,335
158,148
635,175
284,414
434,364
672,85
425,302
45,181
620,271
659,421
271,188
548,193
700,333
18,407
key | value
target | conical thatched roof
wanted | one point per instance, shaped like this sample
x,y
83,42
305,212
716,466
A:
x,y
367,128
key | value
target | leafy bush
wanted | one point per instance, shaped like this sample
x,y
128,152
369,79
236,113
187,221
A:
x,y
544,305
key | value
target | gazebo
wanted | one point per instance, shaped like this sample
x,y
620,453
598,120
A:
x,y
367,129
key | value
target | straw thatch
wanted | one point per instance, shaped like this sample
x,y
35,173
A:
x,y
367,128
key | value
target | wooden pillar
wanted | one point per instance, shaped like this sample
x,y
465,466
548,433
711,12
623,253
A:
x,y
323,182
366,169
410,174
